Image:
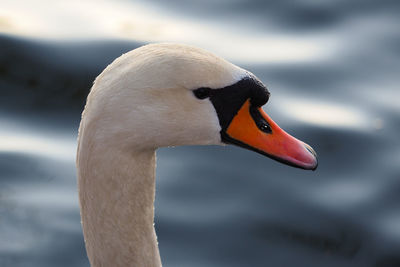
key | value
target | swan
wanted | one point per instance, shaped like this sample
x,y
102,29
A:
x,y
162,95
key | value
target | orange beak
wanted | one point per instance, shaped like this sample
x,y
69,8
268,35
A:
x,y
252,128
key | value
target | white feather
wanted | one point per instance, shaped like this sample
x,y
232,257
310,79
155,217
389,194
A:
x,y
140,102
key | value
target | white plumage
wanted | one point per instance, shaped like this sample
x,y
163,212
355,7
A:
x,y
140,102
145,100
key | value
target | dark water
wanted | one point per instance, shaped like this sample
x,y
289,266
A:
x,y
222,206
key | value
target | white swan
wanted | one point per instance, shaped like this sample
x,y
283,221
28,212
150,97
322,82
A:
x,y
156,96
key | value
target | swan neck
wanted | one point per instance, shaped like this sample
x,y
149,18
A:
x,y
116,191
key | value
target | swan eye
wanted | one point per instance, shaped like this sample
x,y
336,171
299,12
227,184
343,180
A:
x,y
202,93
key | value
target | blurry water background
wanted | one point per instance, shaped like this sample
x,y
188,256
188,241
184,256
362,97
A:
x,y
333,70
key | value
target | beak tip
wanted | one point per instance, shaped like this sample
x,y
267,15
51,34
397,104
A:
x,y
311,150
314,155
316,165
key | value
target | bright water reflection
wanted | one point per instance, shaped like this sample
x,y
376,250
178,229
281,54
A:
x,y
325,114
16,138
105,19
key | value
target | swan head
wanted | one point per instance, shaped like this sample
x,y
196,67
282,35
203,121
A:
x,y
168,95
